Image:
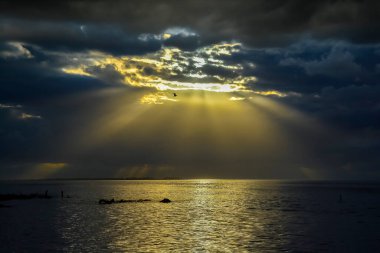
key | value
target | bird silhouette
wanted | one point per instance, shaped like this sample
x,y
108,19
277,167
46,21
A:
x,y
174,94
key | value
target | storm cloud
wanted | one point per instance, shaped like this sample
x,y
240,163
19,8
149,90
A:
x,y
256,23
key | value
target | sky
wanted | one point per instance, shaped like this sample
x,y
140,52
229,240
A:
x,y
261,89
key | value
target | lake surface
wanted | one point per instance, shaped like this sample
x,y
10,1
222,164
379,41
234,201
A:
x,y
205,216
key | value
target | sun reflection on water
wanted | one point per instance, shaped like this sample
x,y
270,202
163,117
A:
x,y
205,216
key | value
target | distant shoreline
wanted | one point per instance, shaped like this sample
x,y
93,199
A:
x,y
376,181
94,179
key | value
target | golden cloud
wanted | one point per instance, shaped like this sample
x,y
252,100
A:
x,y
168,69
156,98
271,93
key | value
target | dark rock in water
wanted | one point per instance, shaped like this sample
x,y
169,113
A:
x,y
113,201
132,200
141,200
106,202
165,200
6,197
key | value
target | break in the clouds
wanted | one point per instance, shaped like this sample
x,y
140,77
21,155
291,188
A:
x,y
206,68
282,89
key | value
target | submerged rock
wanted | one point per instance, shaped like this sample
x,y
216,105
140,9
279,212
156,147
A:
x,y
132,200
113,201
165,200
106,202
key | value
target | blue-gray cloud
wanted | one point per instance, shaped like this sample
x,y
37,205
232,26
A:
x,y
256,23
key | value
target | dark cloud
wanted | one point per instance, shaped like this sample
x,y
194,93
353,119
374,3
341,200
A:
x,y
28,81
349,108
256,23
336,64
308,66
14,50
184,42
71,36
22,133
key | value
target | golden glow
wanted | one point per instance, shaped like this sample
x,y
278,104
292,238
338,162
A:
x,y
200,127
236,98
168,69
271,93
156,98
214,117
223,48
43,170
166,36
76,71
51,166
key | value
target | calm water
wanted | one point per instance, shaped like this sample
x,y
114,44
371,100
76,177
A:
x,y
205,216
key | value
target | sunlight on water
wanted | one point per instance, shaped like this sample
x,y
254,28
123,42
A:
x,y
205,216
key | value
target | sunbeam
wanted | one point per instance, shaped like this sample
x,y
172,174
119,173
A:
x,y
200,130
